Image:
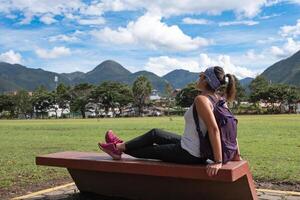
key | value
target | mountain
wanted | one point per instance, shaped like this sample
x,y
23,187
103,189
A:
x,y
245,82
73,75
285,71
156,81
16,77
179,78
108,70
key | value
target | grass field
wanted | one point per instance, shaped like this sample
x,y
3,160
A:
x,y
271,143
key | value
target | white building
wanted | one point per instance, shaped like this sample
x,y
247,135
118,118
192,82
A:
x,y
154,95
52,112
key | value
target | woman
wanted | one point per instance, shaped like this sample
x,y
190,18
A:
x,y
170,147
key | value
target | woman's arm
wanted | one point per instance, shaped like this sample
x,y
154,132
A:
x,y
204,110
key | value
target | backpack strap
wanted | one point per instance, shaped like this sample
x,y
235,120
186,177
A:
x,y
196,119
195,114
213,100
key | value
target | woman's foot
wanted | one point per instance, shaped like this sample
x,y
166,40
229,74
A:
x,y
111,137
110,149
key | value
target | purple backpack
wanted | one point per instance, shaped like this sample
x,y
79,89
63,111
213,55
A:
x,y
227,124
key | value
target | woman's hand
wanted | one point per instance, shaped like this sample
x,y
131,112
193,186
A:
x,y
212,169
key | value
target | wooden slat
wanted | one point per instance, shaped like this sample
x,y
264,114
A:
x,y
101,162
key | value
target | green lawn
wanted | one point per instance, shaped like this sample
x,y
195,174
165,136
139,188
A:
x,y
271,143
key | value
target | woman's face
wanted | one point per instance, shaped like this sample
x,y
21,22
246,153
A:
x,y
201,83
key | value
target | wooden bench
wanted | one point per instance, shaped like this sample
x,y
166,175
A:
x,y
151,179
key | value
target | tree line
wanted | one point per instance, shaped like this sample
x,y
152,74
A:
x,y
110,95
107,95
260,90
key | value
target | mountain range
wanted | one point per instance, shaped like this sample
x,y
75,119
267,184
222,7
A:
x,y
15,77
285,71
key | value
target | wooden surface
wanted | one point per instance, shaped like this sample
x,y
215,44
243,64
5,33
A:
x,y
101,162
152,179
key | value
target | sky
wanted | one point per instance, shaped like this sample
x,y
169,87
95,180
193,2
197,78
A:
x,y
244,37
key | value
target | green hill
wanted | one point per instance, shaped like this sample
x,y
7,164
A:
x,y
156,81
285,71
108,70
15,77
179,78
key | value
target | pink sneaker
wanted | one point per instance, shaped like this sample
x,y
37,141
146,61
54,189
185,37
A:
x,y
110,137
110,149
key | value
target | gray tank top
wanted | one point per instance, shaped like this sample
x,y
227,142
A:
x,y
190,138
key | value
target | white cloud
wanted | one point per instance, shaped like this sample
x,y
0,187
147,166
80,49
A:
x,y
295,1
38,8
11,16
270,16
188,20
267,40
225,62
275,50
28,17
290,47
54,53
244,22
290,31
95,21
119,36
11,57
63,38
250,54
72,37
163,64
94,8
247,8
43,9
149,31
48,19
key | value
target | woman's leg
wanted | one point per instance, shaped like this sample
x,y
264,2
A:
x,y
154,136
166,152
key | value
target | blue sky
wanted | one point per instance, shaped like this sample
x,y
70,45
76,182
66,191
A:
x,y
245,37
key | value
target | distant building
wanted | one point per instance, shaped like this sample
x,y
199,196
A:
x,y
56,110
298,107
154,95
16,92
175,92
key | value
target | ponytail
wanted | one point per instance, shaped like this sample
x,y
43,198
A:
x,y
230,89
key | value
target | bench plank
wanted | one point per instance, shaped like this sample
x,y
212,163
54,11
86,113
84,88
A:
x,y
87,168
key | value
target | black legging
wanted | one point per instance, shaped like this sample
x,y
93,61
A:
x,y
162,145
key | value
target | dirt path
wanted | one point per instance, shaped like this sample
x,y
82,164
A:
x,y
19,191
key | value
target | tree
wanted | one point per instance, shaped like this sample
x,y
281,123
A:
x,y
186,96
80,97
125,96
292,97
275,93
141,90
111,95
62,98
258,88
42,101
240,91
168,92
7,103
23,103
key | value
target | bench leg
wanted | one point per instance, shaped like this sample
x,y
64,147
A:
x,y
135,186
